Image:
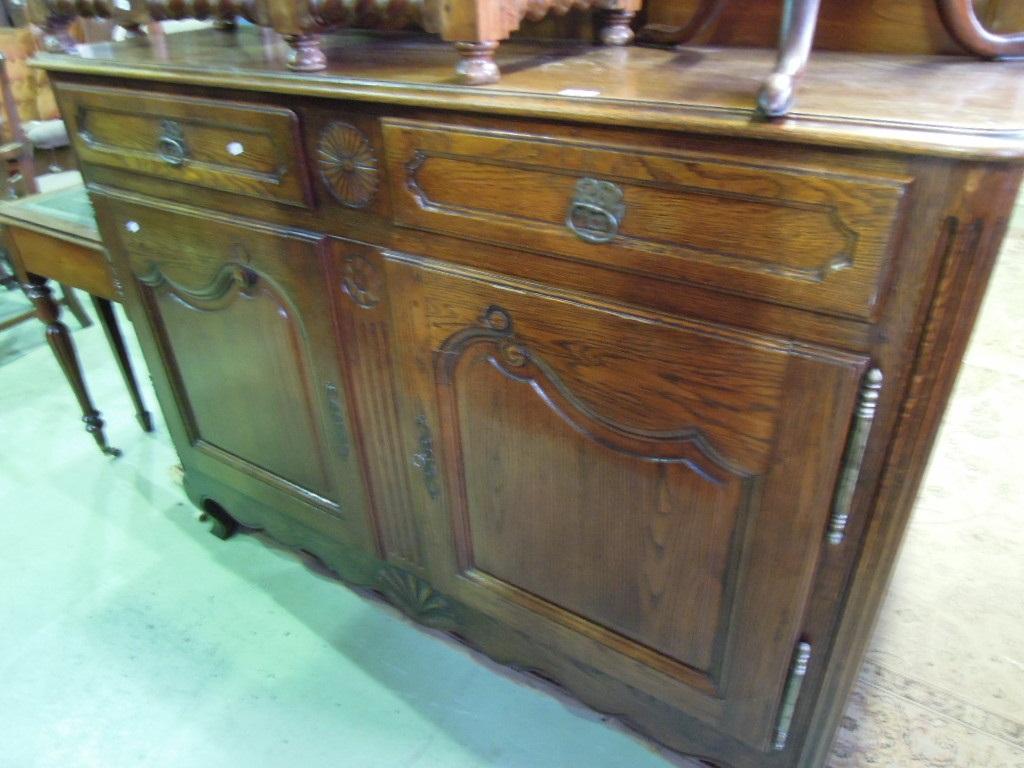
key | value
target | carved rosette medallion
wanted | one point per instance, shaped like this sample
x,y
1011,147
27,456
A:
x,y
348,164
415,597
361,281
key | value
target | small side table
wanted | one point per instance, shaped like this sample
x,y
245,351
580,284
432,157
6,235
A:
x,y
53,236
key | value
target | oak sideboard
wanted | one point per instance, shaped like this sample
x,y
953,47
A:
x,y
594,368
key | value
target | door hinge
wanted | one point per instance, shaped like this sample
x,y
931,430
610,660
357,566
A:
x,y
856,447
791,693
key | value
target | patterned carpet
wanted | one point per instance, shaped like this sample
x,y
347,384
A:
x,y
943,683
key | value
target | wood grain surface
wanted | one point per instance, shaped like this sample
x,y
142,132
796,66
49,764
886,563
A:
x,y
617,463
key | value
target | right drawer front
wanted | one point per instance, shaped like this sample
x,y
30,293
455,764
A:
x,y
225,146
810,239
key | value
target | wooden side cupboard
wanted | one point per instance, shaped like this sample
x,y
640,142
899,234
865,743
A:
x,y
594,369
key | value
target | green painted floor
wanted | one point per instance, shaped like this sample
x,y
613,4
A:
x,y
129,636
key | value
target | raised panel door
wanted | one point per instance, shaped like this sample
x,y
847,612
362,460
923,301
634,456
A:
x,y
644,494
244,330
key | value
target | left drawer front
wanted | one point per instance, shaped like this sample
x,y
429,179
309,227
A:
x,y
234,147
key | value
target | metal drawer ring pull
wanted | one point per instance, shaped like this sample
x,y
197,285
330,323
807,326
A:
x,y
171,144
596,210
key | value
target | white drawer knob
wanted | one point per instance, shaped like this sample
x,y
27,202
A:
x,y
235,148
132,226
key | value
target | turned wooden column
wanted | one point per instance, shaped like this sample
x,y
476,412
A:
x,y
617,29
476,64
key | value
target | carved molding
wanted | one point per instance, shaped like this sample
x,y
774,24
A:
x,y
361,281
348,164
516,361
415,598
234,279
412,182
831,262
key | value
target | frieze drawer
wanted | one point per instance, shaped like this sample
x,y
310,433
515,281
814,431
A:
x,y
243,149
812,239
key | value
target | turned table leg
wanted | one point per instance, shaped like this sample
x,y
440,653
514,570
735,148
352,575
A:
x,y
57,35
799,20
617,29
105,312
305,53
476,62
64,350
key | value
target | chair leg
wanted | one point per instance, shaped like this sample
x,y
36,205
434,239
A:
x,y
64,350
70,300
108,319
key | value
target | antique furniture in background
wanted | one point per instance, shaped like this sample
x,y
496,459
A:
x,y
800,17
30,115
595,370
475,27
53,235
16,152
882,26
985,28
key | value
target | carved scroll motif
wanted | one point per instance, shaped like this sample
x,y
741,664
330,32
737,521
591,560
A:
x,y
234,279
689,446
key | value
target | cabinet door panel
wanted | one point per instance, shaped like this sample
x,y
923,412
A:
x,y
244,330
626,530
627,488
237,344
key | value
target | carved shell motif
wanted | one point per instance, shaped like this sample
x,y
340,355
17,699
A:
x,y
348,164
415,598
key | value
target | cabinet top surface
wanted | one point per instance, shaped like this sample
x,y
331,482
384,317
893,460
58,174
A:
x,y
950,106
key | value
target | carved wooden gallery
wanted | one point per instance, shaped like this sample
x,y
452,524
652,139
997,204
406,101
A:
x,y
616,350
